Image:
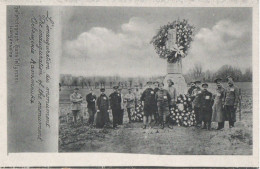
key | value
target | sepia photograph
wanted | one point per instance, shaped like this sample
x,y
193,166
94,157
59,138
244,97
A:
x,y
156,80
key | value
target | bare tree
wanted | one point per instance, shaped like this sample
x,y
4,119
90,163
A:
x,y
197,71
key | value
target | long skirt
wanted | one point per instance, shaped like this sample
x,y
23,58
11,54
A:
x,y
218,114
101,118
206,114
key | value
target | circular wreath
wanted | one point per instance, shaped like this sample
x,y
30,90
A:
x,y
184,36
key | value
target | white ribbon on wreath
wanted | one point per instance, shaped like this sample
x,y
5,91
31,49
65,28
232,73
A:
x,y
178,50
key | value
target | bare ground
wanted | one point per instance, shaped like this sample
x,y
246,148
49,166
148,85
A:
x,y
131,138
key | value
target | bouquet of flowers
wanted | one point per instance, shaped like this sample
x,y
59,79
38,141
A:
x,y
183,38
182,113
137,115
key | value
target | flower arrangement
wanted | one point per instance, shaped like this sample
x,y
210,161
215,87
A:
x,y
137,115
184,33
183,116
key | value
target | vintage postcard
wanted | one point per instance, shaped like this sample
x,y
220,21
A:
x,y
130,83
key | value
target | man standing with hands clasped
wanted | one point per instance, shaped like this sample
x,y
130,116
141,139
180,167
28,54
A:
x,y
76,100
91,100
207,101
115,105
231,101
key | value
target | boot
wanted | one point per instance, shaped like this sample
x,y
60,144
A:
x,y
220,125
162,126
208,126
170,127
204,126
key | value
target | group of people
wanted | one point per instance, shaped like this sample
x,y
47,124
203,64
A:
x,y
157,101
219,107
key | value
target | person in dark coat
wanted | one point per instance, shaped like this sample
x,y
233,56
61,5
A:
x,y
164,101
115,105
218,114
121,115
231,102
149,103
102,109
91,101
206,101
156,89
196,104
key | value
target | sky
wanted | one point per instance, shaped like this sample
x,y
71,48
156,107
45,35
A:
x,y
107,41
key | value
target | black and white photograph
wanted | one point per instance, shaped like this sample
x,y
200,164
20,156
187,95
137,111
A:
x,y
127,83
167,81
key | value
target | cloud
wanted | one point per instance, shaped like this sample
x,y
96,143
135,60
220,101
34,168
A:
x,y
127,52
226,42
101,51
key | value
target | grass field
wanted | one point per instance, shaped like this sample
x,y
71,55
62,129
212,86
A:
x,y
131,138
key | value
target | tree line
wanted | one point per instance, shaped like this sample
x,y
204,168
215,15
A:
x,y
196,73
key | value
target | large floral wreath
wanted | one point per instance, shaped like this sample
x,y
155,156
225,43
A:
x,y
184,33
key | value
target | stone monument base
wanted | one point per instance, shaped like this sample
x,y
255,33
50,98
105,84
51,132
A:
x,y
179,83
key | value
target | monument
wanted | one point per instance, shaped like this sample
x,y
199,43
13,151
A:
x,y
174,70
172,42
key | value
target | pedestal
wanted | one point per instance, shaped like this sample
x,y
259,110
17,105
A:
x,y
174,72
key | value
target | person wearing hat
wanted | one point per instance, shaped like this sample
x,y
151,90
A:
x,y
91,101
102,117
196,104
137,94
231,100
172,91
149,103
130,103
76,100
121,115
206,99
156,89
192,87
230,78
156,85
218,114
163,100
115,105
